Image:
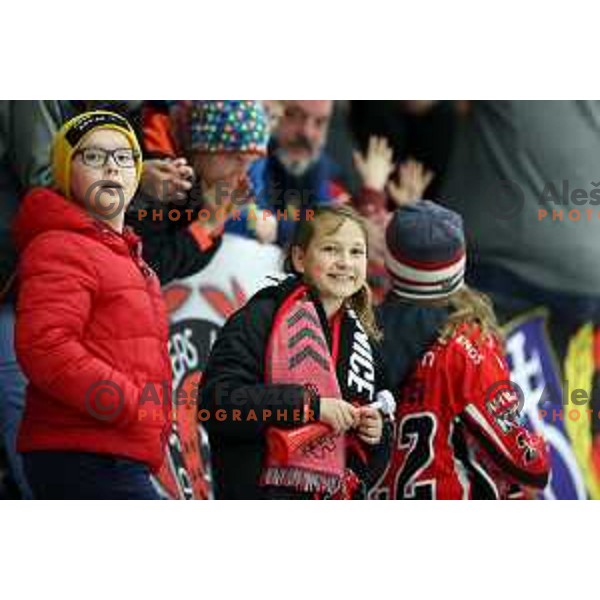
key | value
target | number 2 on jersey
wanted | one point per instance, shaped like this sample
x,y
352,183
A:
x,y
416,431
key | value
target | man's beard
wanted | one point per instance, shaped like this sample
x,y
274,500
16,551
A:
x,y
295,167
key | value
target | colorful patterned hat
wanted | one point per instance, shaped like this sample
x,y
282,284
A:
x,y
228,126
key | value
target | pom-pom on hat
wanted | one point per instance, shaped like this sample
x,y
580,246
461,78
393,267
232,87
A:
x,y
425,251
228,126
71,135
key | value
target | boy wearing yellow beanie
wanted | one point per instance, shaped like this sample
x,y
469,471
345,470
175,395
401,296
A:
x,y
91,329
97,161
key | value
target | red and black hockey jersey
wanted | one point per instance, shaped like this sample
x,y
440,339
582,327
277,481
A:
x,y
457,430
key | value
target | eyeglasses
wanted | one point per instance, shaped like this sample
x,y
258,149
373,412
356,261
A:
x,y
98,157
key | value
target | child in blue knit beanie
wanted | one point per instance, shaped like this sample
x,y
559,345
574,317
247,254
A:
x,y
458,429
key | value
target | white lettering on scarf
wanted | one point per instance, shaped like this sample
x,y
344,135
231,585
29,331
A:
x,y
362,372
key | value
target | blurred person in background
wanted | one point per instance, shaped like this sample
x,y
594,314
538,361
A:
x,y
182,221
298,173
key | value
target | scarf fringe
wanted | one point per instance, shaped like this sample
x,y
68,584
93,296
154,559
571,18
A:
x,y
301,480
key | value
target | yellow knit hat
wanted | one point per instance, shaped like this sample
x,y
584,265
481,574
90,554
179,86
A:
x,y
72,133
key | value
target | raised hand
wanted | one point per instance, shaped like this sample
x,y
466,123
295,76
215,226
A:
x,y
167,180
376,166
412,181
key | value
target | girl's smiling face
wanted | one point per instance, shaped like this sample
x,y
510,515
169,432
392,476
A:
x,y
334,262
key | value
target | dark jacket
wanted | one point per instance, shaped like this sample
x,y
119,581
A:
x,y
408,331
234,379
175,242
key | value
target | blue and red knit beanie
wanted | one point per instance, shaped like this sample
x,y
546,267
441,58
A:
x,y
425,251
228,126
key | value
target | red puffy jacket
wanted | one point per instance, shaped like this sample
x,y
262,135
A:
x,y
91,335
